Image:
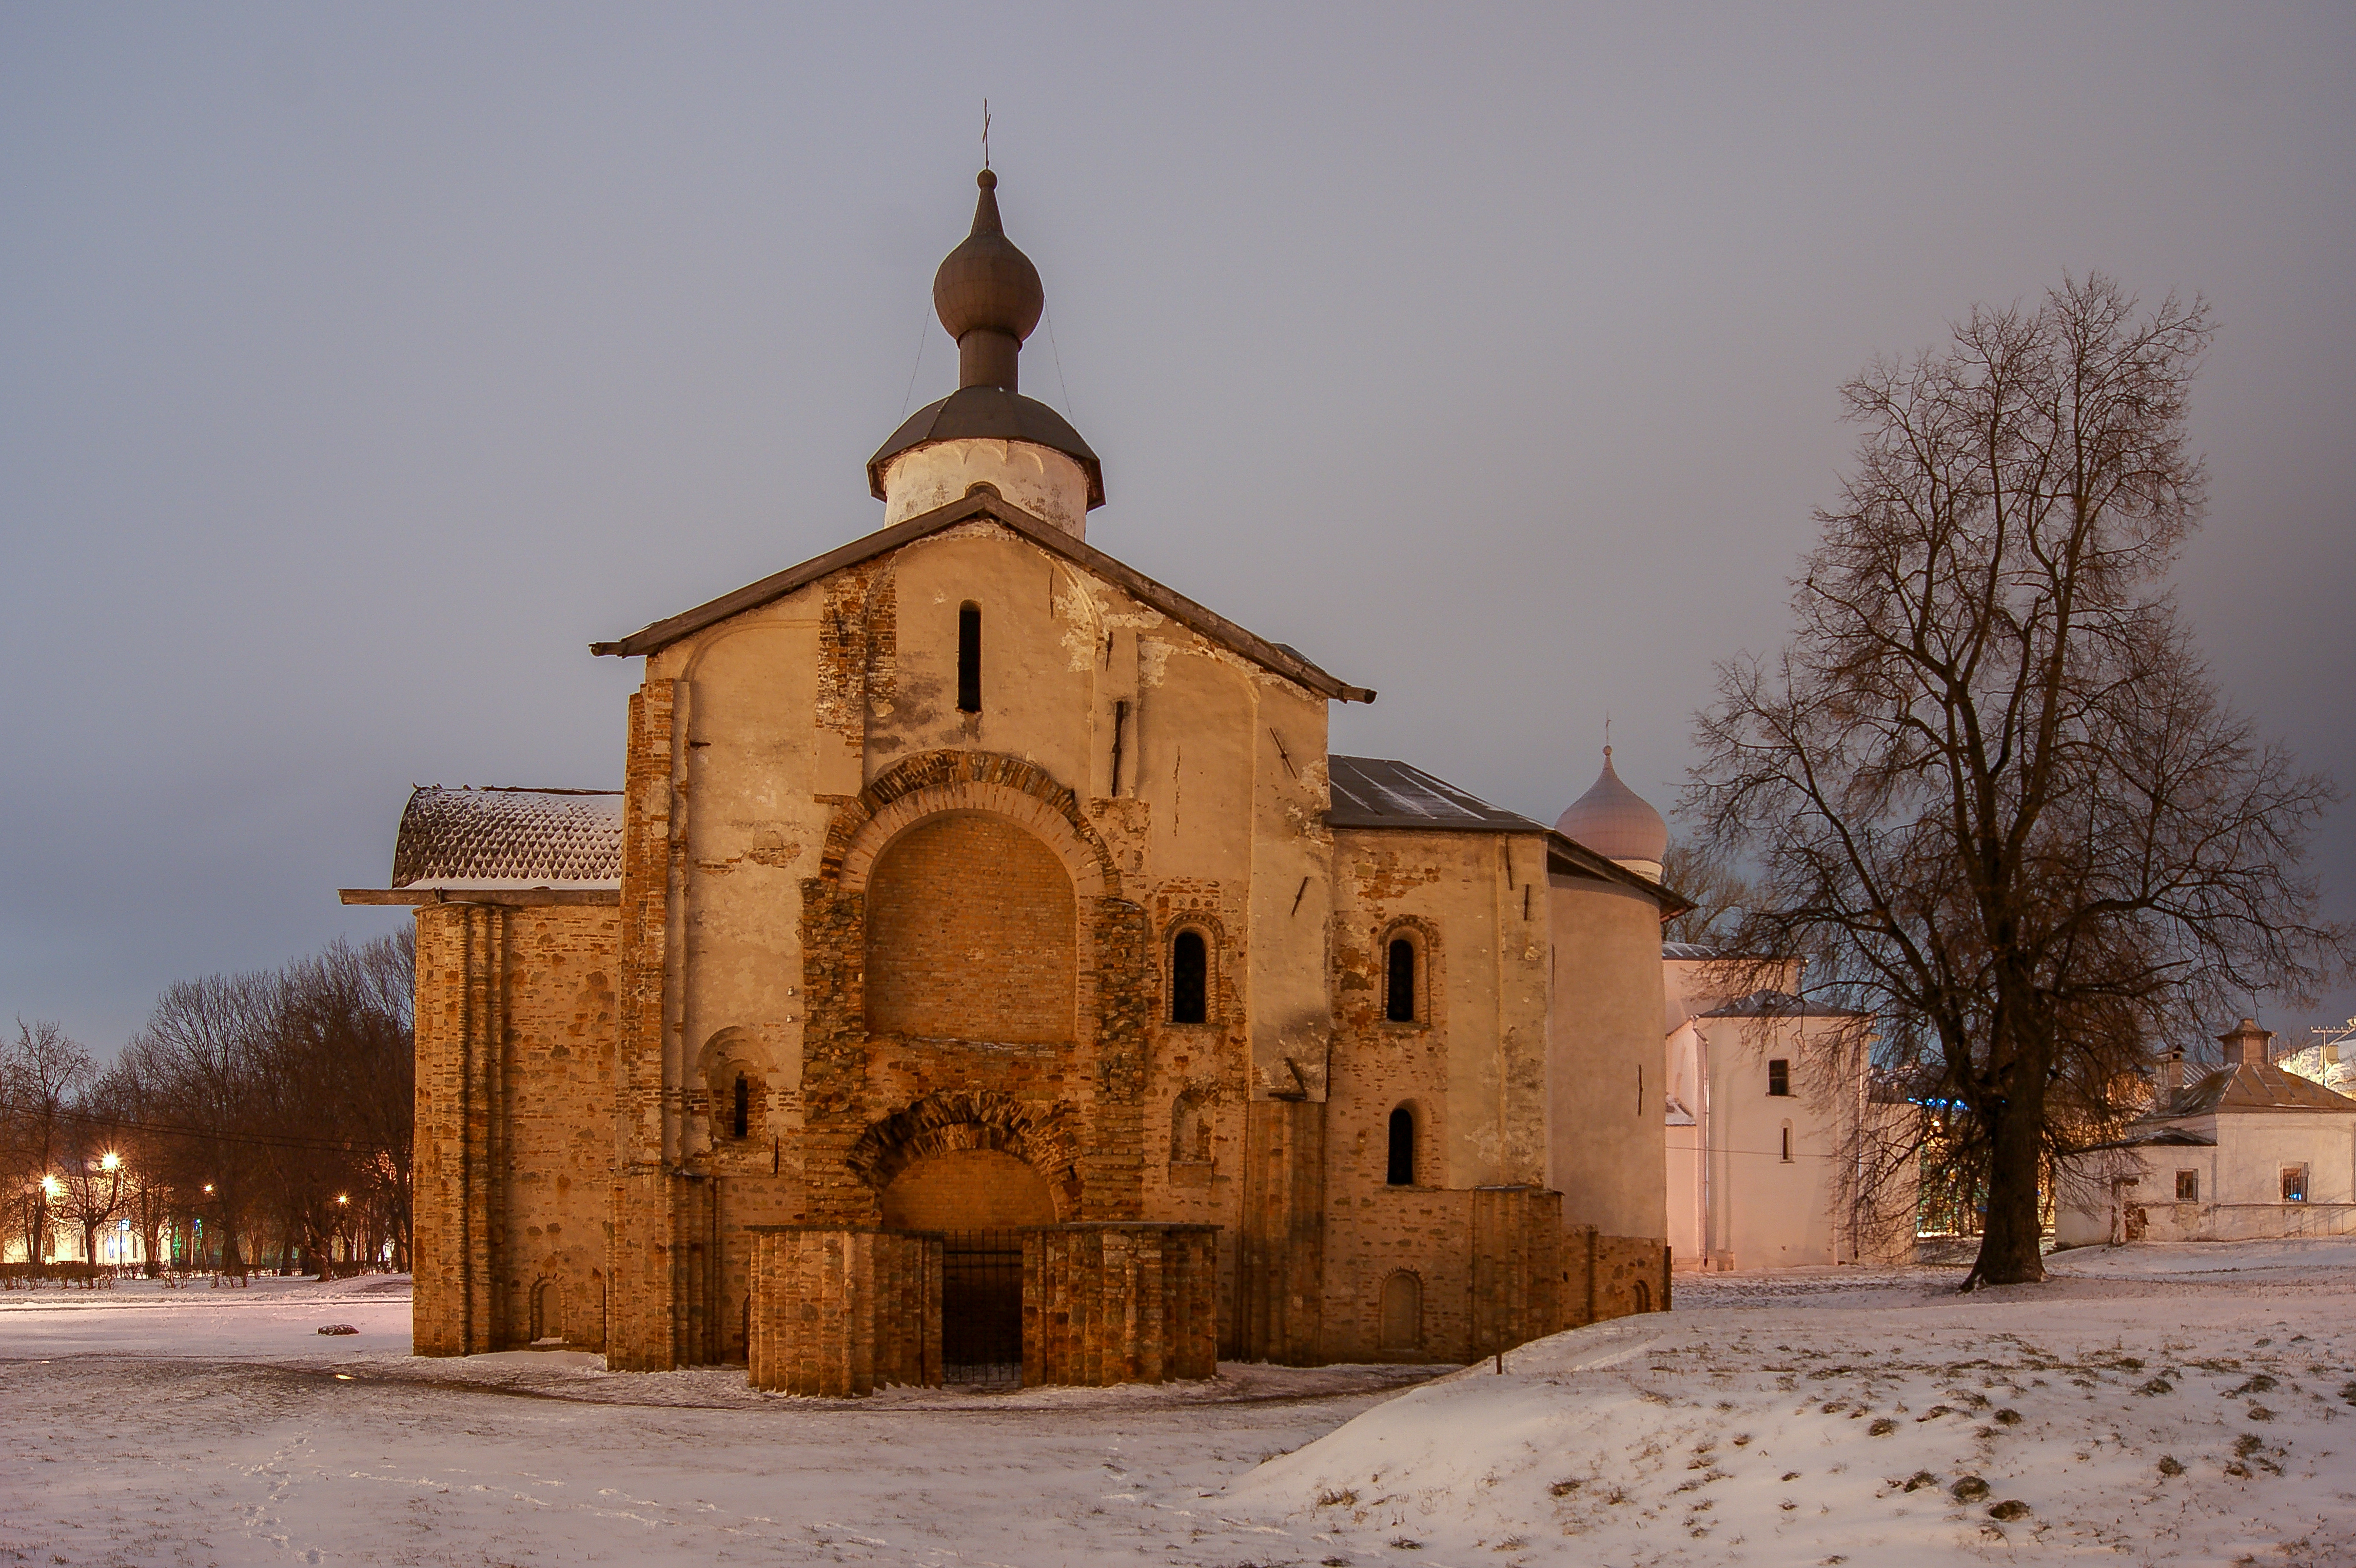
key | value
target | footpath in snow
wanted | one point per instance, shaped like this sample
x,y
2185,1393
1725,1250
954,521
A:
x,y
2177,1405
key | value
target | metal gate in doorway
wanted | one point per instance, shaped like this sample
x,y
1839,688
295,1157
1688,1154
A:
x,y
982,1307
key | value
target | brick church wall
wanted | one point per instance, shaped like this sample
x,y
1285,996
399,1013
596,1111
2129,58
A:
x,y
516,1038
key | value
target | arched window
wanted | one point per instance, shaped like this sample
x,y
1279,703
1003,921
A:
x,y
968,658
1401,1171
1190,979
740,1121
1398,982
1643,1294
1787,1143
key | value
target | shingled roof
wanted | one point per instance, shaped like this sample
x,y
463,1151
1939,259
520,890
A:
x,y
478,838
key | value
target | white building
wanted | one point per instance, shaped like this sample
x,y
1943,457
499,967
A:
x,y
1765,1091
2249,1152
1767,1094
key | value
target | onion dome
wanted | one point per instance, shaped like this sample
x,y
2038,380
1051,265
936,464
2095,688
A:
x,y
989,297
1615,822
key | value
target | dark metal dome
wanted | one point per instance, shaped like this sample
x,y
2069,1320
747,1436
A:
x,y
989,297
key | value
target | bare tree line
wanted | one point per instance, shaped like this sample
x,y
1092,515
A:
x,y
262,1119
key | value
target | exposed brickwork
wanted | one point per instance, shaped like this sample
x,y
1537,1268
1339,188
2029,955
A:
x,y
1118,1304
967,1189
843,648
839,1313
939,781
515,1053
1042,1137
971,933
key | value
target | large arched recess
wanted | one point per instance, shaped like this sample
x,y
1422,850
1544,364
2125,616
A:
x,y
972,934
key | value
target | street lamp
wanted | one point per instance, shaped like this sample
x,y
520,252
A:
x,y
110,1160
52,1188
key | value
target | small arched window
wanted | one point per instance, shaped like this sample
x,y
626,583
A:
x,y
740,1121
968,658
1190,979
1787,1143
1401,1171
1398,982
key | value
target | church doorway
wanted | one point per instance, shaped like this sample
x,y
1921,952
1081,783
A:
x,y
979,1201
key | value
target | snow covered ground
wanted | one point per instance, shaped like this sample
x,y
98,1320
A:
x,y
2179,1404
2185,1404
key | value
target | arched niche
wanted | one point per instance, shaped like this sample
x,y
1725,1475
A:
x,y
972,934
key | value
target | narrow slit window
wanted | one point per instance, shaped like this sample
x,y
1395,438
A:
x,y
1787,1143
1190,979
1399,989
740,1120
1402,1149
1779,1077
968,658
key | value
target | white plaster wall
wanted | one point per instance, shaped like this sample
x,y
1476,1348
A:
x,y
1605,1150
1768,1212
2253,1146
1040,481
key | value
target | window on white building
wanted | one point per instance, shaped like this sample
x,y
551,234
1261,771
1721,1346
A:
x,y
2294,1184
2188,1186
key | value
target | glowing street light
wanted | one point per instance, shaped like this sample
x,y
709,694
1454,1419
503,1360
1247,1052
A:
x,y
343,1197
52,1188
208,1187
110,1160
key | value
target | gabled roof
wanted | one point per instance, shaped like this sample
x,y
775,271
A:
x,y
1377,792
2247,1086
985,503
510,838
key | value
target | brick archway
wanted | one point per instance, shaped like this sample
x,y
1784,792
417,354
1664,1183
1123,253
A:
x,y
940,781
947,1120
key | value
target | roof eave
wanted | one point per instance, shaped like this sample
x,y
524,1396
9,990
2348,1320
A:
x,y
983,502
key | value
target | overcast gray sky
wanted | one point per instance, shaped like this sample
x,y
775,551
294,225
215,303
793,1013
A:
x,y
361,365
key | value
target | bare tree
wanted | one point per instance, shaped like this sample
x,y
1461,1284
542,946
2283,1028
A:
x,y
41,1073
1988,785
1700,870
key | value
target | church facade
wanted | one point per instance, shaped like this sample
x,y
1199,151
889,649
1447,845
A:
x,y
985,962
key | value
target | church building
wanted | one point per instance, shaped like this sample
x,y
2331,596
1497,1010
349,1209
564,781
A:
x,y
986,971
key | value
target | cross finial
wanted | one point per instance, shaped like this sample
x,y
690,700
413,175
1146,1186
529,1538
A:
x,y
985,132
